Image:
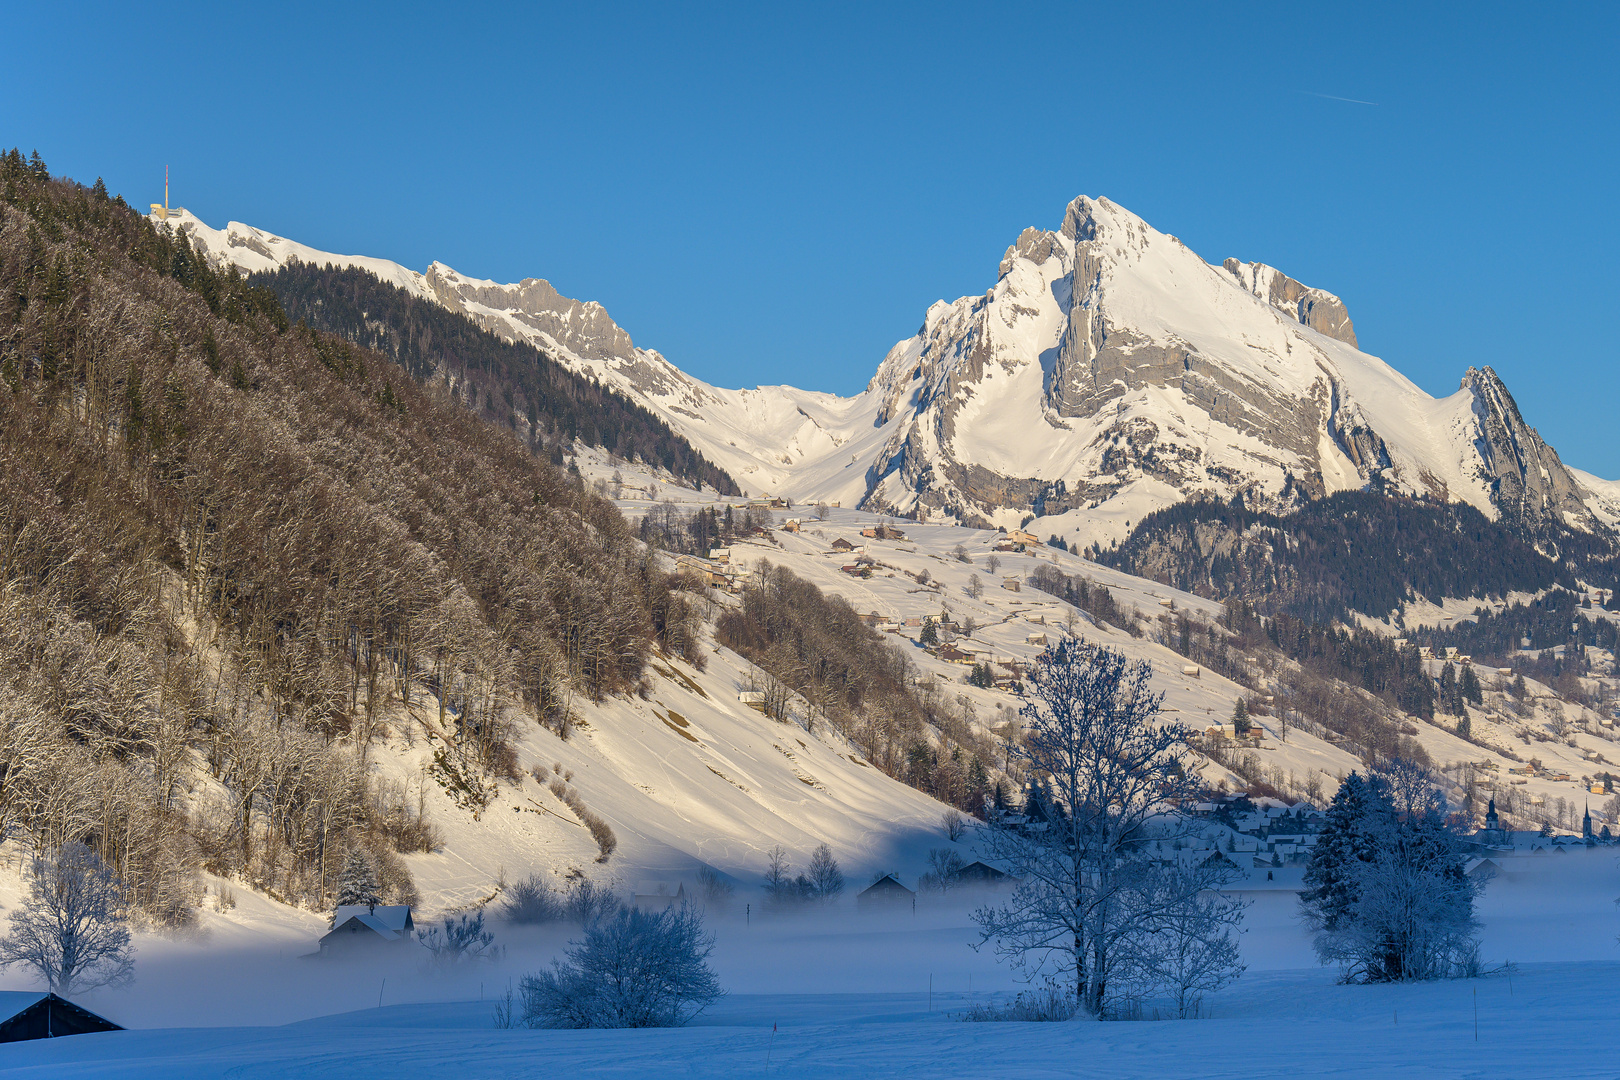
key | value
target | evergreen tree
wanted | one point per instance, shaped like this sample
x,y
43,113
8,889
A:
x,y
1518,689
1330,892
1240,718
1386,894
1448,689
357,884
1468,686
930,634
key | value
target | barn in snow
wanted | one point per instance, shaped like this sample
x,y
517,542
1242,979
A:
x,y
886,892
360,926
31,1015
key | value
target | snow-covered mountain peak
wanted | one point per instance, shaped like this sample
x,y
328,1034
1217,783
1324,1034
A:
x,y
1108,371
1111,371
533,309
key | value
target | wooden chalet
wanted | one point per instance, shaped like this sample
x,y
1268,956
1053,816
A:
x,y
885,892
981,873
655,896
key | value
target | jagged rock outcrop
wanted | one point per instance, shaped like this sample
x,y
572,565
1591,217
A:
x,y
1316,308
583,328
1529,484
1140,375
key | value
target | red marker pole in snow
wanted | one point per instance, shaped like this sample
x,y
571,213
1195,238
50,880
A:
x,y
768,1049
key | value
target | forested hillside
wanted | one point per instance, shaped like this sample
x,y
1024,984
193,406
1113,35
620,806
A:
x,y
809,643
508,383
1353,551
231,548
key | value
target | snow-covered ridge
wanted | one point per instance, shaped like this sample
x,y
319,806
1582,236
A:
x,y
1108,372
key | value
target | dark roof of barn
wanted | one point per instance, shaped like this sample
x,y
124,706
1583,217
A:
x,y
29,1014
888,883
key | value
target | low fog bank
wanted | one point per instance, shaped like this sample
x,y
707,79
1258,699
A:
x,y
245,969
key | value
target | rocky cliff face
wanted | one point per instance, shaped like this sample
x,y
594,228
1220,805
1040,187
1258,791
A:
x,y
1529,484
583,328
1316,308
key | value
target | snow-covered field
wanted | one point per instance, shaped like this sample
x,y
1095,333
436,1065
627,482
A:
x,y
860,995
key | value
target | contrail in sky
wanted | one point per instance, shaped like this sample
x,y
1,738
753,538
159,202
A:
x,y
1335,97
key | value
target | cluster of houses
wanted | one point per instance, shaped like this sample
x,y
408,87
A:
x,y
1250,833
1495,839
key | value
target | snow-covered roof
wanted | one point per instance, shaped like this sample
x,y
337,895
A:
x,y
392,917
370,922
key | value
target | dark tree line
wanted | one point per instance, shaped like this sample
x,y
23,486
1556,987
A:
x,y
1352,551
229,540
508,383
1364,657
1086,595
1555,619
668,527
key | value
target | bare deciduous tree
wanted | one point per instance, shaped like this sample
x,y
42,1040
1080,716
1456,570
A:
x,y
1185,945
1104,766
71,929
826,879
462,937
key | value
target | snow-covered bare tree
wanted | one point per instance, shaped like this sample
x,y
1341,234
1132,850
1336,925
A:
x,y
1186,943
587,903
713,891
1105,766
635,969
530,901
70,931
780,888
462,937
944,870
826,879
1385,889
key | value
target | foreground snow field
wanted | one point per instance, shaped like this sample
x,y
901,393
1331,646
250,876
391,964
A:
x,y
1555,1020
880,996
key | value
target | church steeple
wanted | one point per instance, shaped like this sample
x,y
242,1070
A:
x,y
1586,826
1492,823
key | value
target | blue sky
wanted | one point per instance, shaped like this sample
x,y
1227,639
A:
x,y
776,193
